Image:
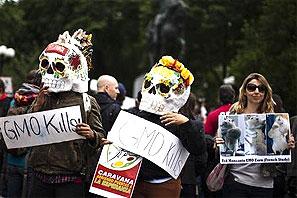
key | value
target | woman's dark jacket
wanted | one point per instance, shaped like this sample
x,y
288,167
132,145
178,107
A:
x,y
195,164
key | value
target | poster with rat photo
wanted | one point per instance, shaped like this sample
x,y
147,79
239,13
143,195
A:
x,y
254,138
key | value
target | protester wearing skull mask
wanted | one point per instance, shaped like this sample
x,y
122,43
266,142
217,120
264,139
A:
x,y
58,168
165,90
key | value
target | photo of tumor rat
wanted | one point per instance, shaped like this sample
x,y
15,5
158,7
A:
x,y
254,137
278,132
231,134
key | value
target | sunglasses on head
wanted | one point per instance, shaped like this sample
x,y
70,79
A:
x,y
252,87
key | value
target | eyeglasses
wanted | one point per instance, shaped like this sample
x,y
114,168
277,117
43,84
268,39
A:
x,y
252,87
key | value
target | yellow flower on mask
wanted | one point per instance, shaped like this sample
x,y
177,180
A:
x,y
163,71
166,60
188,76
170,62
177,66
191,79
185,73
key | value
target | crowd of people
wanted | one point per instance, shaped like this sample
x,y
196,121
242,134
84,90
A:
x,y
65,169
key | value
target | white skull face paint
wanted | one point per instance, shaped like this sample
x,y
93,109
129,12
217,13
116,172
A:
x,y
63,65
164,89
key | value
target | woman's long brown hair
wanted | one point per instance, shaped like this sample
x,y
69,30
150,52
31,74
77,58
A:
x,y
266,105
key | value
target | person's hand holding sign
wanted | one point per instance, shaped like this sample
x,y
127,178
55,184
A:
x,y
84,129
217,141
291,142
173,118
41,98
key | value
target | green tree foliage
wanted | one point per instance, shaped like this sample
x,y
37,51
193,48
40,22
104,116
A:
x,y
12,32
118,29
269,48
213,36
223,38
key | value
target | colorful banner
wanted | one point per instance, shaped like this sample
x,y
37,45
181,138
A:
x,y
45,127
254,138
116,172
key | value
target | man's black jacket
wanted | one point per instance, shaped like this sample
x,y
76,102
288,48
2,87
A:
x,y
109,110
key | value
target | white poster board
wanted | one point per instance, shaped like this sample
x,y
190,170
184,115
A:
x,y
149,140
254,138
45,127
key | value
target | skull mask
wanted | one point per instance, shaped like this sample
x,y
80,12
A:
x,y
166,87
64,63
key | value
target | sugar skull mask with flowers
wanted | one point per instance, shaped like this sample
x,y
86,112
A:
x,y
166,87
64,64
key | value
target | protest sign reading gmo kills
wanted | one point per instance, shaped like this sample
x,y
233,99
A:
x,y
33,125
40,128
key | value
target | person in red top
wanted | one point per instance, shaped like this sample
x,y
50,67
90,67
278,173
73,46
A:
x,y
227,95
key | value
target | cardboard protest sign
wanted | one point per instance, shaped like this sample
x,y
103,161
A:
x,y
254,138
116,172
45,127
149,140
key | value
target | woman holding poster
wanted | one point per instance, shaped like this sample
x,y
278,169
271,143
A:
x,y
252,180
